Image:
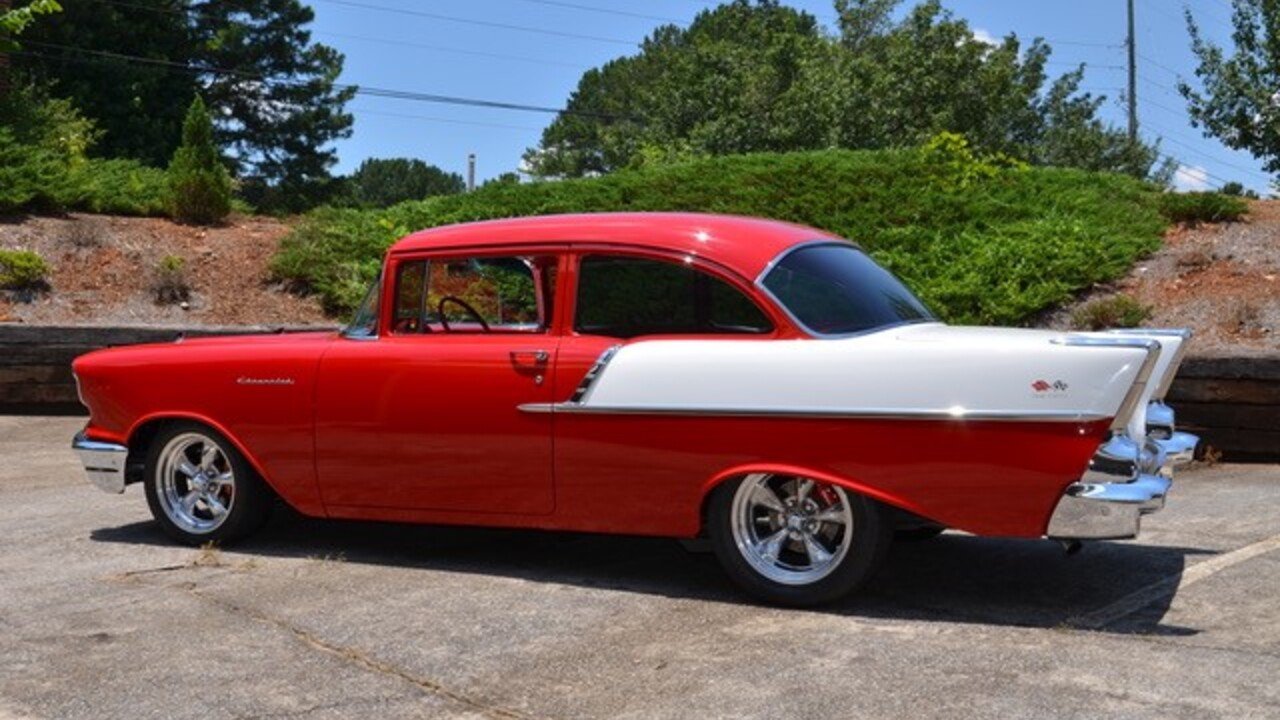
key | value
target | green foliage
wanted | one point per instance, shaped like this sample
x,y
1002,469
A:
x,y
14,21
169,282
121,187
43,168
1236,100
1009,243
199,185
1194,208
378,183
753,75
22,270
1114,311
277,134
137,106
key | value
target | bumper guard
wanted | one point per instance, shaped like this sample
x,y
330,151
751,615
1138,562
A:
x,y
103,462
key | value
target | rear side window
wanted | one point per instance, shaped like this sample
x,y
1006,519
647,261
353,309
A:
x,y
836,289
626,297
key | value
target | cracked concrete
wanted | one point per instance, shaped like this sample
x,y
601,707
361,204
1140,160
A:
x,y
100,617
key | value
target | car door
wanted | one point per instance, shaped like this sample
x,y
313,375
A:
x,y
423,415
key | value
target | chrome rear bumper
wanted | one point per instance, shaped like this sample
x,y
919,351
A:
x,y
103,462
1124,482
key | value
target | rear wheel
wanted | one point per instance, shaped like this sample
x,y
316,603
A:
x,y
795,540
200,488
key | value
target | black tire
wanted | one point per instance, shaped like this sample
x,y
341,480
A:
x,y
871,536
918,534
250,502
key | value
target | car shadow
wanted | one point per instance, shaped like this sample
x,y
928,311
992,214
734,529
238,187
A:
x,y
952,578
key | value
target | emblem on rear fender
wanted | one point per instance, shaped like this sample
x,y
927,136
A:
x,y
1044,386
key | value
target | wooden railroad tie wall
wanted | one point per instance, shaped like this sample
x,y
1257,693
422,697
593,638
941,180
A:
x,y
1233,403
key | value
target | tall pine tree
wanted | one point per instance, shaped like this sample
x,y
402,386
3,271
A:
x,y
280,110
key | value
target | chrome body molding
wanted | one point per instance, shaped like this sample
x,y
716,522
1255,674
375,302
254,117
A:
x,y
1124,481
1184,333
952,414
103,462
1139,387
584,387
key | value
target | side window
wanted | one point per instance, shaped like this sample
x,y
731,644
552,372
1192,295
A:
x,y
478,294
625,297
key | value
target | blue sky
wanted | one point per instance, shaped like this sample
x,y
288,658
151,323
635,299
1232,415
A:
x,y
405,49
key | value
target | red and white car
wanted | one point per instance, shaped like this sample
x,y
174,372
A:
x,y
762,384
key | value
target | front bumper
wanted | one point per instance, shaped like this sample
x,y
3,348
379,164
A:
x,y
1124,482
103,462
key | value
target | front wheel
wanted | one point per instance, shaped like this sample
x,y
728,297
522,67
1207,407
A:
x,y
795,540
200,488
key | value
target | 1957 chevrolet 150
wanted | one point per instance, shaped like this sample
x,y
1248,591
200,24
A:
x,y
762,384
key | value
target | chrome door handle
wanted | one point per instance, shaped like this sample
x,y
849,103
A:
x,y
530,357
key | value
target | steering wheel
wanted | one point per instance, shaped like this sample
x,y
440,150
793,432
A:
x,y
444,322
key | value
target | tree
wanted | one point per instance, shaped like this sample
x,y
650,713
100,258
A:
x,y
13,21
383,182
752,75
199,184
1239,99
277,107
138,106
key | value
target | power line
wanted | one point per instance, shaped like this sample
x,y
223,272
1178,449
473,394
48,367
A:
x,y
450,121
360,90
607,11
480,23
362,38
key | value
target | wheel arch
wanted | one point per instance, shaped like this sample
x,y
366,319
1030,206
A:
x,y
145,429
848,483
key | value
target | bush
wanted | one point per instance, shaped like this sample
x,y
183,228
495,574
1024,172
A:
x,y
22,270
169,282
43,167
1197,207
1009,243
199,184
121,187
1115,311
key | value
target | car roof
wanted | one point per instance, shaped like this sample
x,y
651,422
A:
x,y
742,244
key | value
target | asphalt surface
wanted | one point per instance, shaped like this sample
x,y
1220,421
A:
x,y
101,617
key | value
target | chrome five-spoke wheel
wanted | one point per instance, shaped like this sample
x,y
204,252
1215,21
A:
x,y
200,488
795,540
792,530
197,486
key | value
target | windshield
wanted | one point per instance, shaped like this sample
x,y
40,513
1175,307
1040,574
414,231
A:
x,y
836,289
365,322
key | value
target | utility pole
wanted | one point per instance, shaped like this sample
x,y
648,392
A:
x,y
1133,80
471,172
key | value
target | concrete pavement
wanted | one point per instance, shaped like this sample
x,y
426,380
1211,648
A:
x,y
101,617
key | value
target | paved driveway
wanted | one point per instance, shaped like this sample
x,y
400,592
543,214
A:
x,y
101,617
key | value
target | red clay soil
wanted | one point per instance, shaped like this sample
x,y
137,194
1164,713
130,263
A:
x,y
104,270
1223,281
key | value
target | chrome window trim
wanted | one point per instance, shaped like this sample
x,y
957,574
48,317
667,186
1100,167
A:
x,y
578,408
1130,402
777,302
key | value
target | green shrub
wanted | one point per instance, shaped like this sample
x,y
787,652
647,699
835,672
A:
x,y
199,184
1114,311
1197,207
121,187
989,246
169,283
22,270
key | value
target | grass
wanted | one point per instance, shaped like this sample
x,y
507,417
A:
x,y
990,247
